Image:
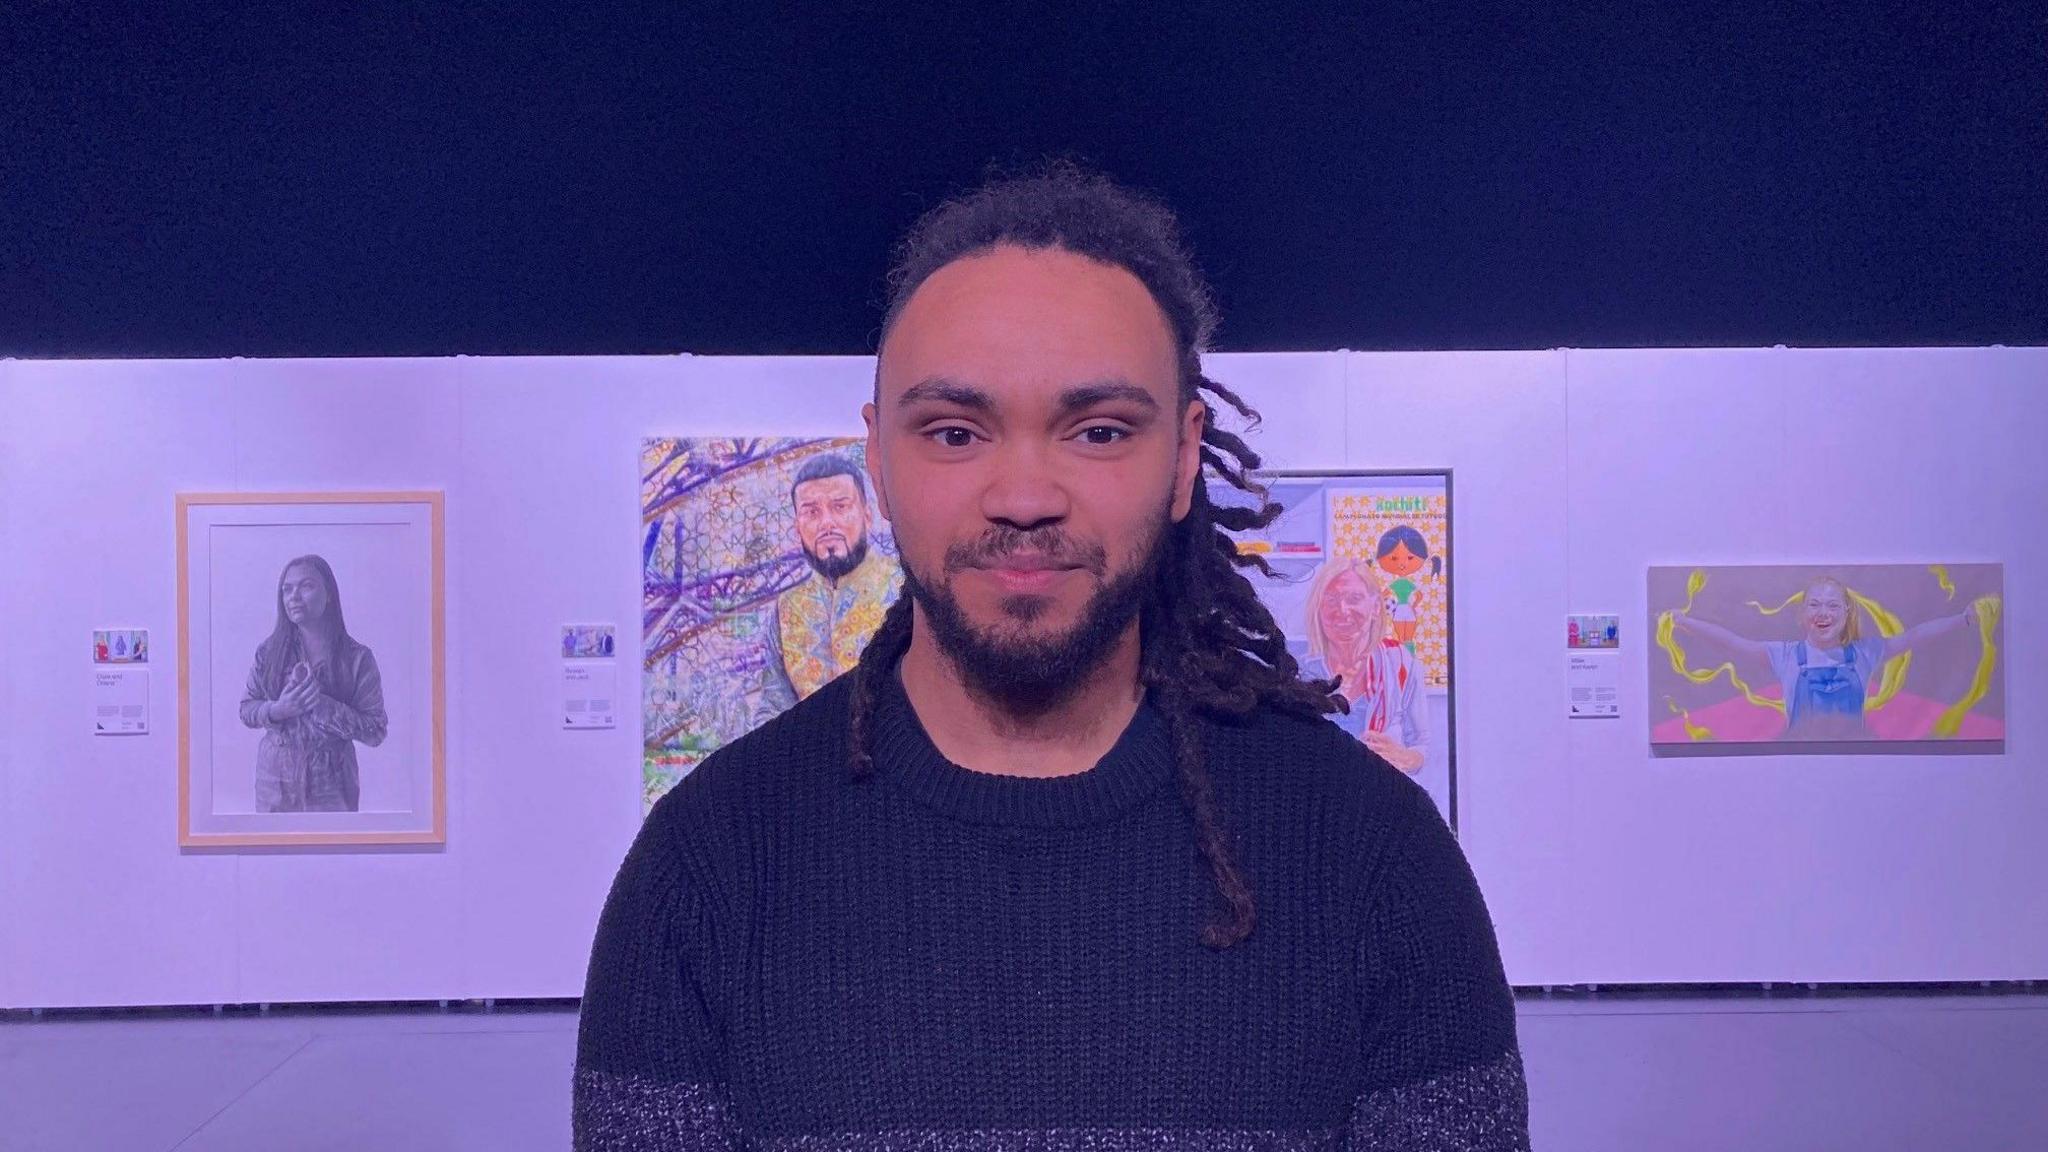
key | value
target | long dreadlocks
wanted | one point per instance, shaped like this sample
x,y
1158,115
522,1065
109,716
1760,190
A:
x,y
1210,647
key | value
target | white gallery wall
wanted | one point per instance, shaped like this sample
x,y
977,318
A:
x,y
1574,472
1816,867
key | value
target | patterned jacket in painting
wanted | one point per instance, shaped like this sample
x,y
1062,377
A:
x,y
817,630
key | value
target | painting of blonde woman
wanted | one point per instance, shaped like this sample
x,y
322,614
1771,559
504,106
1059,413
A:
x,y
1357,572
1352,638
1847,653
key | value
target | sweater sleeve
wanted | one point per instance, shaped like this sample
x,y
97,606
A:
x,y
648,1063
1443,1070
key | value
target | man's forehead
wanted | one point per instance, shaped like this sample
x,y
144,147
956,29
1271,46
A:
x,y
1023,327
1000,389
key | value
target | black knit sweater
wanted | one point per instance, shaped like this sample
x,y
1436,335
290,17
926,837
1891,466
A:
x,y
941,959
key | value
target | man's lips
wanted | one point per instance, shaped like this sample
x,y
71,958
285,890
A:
x,y
1028,562
1023,572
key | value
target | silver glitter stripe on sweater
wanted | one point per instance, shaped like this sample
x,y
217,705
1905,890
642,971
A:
x,y
627,1114
1480,1109
1063,1140
1484,1108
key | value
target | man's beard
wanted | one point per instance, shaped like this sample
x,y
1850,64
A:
x,y
835,567
1024,674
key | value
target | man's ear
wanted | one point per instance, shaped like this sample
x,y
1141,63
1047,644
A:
x,y
874,458
1188,462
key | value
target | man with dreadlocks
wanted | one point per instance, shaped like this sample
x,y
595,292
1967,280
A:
x,y
1071,859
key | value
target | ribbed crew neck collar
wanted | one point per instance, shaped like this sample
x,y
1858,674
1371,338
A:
x,y
1133,770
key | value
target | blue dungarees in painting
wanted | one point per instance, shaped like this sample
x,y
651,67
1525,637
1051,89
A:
x,y
1824,698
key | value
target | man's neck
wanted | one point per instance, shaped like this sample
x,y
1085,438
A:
x,y
977,733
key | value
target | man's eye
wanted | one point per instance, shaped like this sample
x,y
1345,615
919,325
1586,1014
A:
x,y
1103,435
951,437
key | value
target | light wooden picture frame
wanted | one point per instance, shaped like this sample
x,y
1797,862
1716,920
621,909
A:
x,y
311,669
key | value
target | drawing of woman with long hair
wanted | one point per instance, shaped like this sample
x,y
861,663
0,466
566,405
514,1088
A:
x,y
316,693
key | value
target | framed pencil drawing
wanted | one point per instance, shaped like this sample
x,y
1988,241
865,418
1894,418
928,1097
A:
x,y
311,703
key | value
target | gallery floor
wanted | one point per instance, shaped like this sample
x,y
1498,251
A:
x,y
1738,1072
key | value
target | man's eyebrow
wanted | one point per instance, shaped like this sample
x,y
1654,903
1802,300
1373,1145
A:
x,y
1076,398
1084,396
939,390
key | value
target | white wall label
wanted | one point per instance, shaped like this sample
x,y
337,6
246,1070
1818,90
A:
x,y
1593,681
588,693
120,701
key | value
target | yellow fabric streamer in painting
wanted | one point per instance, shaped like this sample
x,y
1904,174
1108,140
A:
x,y
1667,639
1888,626
1941,577
1795,598
1693,584
1951,720
1692,731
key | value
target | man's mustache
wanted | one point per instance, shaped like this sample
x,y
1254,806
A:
x,y
996,544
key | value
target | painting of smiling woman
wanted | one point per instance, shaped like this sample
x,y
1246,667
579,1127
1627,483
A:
x,y
1351,640
1856,653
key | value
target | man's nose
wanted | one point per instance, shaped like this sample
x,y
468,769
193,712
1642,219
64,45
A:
x,y
1025,490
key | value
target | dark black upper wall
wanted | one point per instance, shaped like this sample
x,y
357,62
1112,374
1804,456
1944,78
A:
x,y
180,183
